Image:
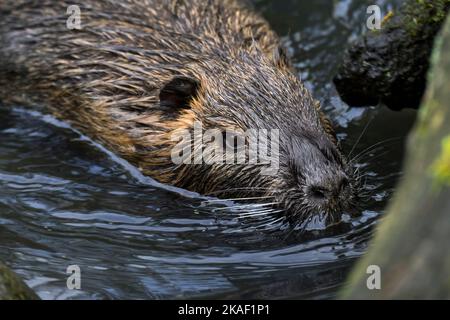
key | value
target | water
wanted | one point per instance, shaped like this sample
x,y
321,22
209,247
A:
x,y
65,201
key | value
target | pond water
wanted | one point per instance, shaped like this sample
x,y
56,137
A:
x,y
66,201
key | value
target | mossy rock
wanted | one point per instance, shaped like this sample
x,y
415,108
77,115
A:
x,y
12,287
412,246
390,65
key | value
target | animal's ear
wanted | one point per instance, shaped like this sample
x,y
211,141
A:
x,y
280,57
178,92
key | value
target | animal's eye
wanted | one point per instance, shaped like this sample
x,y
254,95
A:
x,y
177,93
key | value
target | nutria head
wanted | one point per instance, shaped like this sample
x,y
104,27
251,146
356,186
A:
x,y
250,91
137,76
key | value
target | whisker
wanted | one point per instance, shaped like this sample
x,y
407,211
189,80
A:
x,y
360,136
368,152
394,139
238,199
257,205
240,189
265,225
263,213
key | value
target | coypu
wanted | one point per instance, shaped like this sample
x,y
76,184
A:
x,y
135,72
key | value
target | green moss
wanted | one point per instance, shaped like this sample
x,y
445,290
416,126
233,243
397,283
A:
x,y
12,287
440,168
420,13
432,112
431,118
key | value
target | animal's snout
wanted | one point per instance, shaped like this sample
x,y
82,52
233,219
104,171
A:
x,y
328,190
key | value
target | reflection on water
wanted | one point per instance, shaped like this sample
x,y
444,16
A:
x,y
64,200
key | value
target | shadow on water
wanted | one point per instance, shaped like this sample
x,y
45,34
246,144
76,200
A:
x,y
65,201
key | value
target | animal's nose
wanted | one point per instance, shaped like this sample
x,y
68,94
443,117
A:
x,y
328,190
